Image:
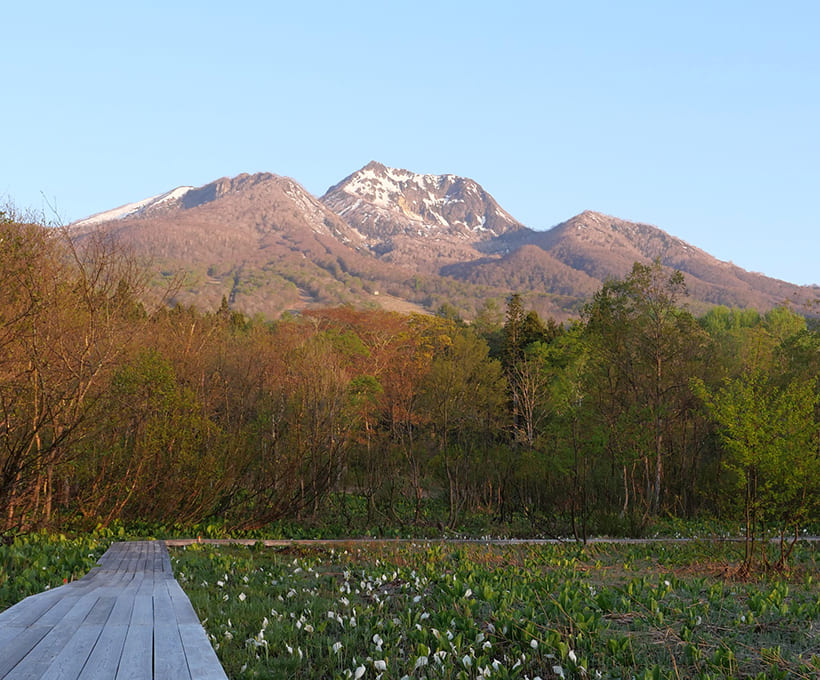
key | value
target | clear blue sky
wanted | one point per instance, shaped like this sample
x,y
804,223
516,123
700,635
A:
x,y
702,118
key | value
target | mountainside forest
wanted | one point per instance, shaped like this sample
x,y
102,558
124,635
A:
x,y
113,409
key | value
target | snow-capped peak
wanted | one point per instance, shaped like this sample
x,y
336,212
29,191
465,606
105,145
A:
x,y
381,200
382,184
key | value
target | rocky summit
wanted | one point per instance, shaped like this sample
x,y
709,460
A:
x,y
423,221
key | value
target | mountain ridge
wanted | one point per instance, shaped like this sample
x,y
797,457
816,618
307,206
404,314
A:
x,y
418,240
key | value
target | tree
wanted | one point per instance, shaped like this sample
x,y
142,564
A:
x,y
385,366
770,434
488,324
525,336
575,436
156,456
642,348
68,311
464,396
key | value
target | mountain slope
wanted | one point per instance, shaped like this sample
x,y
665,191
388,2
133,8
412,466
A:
x,y
526,268
606,247
143,207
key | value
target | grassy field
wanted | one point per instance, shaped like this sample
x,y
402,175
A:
x,y
432,610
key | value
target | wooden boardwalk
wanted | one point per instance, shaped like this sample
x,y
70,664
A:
x,y
127,619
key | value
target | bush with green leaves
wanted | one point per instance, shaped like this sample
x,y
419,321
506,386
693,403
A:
x,y
35,562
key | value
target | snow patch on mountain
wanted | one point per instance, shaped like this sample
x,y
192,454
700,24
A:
x,y
426,202
133,209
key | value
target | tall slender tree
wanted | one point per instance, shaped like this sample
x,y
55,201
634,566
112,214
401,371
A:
x,y
642,348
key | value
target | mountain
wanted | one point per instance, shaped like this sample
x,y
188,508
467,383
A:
x,y
420,221
401,240
260,240
275,203
606,247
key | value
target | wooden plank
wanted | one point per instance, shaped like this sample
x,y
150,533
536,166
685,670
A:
x,y
104,660
37,661
183,609
19,646
163,607
61,621
129,558
79,600
142,612
202,659
169,655
157,563
123,606
30,609
150,556
165,558
98,580
112,557
69,663
136,558
100,611
137,660
65,632
7,634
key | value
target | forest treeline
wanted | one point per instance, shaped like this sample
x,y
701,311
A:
x,y
111,409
